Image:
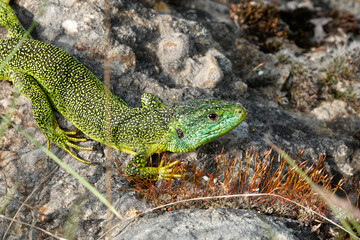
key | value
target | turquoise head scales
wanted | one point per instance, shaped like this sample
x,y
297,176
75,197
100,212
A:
x,y
197,122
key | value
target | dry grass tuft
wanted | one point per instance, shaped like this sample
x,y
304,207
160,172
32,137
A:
x,y
278,189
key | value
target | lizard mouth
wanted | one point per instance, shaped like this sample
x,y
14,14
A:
x,y
206,135
224,126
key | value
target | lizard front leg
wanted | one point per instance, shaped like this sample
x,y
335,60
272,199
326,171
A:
x,y
150,101
43,113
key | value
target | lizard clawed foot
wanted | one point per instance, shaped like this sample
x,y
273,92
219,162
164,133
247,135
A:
x,y
166,172
136,170
64,141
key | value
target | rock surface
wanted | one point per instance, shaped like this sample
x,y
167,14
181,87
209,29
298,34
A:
x,y
208,224
178,52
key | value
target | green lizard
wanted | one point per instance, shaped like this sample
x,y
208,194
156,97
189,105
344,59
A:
x,y
52,79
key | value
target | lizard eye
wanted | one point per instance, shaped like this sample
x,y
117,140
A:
x,y
212,116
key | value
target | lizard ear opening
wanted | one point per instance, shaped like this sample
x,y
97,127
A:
x,y
180,133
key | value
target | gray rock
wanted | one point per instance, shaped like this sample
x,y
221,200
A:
x,y
212,224
173,47
50,16
187,53
70,26
67,3
207,71
351,6
181,63
255,68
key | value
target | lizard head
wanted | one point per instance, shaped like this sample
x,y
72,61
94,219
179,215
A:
x,y
197,122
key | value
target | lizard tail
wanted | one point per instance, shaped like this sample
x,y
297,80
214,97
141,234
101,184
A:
x,y
9,21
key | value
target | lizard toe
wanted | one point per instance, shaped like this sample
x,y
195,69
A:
x,y
64,141
167,172
70,144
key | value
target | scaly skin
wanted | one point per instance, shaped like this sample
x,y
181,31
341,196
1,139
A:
x,y
52,80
